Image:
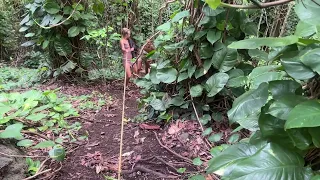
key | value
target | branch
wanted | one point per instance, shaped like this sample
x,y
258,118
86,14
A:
x,y
262,5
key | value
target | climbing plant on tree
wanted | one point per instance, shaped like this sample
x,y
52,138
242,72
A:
x,y
58,25
205,61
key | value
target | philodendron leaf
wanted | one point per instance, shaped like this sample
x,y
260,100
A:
x,y
181,15
25,143
244,162
213,36
255,43
284,87
308,12
196,91
213,3
296,69
247,106
12,131
57,153
312,60
264,74
306,114
167,75
216,83
158,105
44,144
224,59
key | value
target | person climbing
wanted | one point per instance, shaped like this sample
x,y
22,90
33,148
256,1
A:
x,y
126,53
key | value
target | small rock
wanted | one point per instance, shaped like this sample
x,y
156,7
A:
x,y
102,133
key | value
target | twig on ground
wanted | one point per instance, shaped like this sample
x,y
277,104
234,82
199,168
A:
x,y
146,170
35,133
37,174
166,163
171,151
21,156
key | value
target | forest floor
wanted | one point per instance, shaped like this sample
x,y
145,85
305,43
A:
x,y
150,151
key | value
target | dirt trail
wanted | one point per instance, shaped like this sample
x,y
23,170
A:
x,y
97,158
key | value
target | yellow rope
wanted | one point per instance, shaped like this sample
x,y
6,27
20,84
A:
x,y
122,120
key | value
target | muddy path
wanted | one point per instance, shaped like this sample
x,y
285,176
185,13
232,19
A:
x,y
143,155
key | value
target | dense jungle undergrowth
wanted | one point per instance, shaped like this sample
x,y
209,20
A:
x,y
232,93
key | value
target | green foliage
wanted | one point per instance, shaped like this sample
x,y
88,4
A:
x,y
37,111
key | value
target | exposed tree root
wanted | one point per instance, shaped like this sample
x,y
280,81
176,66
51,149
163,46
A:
x,y
146,170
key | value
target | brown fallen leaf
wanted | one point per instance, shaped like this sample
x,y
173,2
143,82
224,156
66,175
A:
x,y
173,129
149,126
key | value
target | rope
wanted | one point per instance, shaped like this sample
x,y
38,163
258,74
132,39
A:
x,y
122,118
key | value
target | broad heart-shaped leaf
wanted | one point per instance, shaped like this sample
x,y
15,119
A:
x,y
216,83
247,106
215,137
272,128
306,114
304,29
281,107
36,117
225,59
300,138
296,69
57,153
312,59
196,91
223,163
73,31
25,143
284,87
167,75
63,46
153,76
213,3
213,36
52,7
164,27
308,12
212,12
180,16
12,131
44,144
236,78
182,76
255,43
315,134
157,105
258,54
177,101
205,119
264,74
272,162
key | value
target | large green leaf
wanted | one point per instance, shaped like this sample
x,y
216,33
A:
x,y
255,43
223,164
63,46
281,107
213,36
213,3
216,83
297,69
300,137
236,78
272,162
246,107
284,87
315,134
57,153
164,27
312,60
73,31
196,91
12,131
308,11
304,29
25,143
224,59
181,15
273,129
212,12
44,144
52,7
306,114
264,74
167,75
36,117
258,54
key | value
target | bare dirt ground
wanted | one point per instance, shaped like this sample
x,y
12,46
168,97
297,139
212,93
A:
x,y
149,151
